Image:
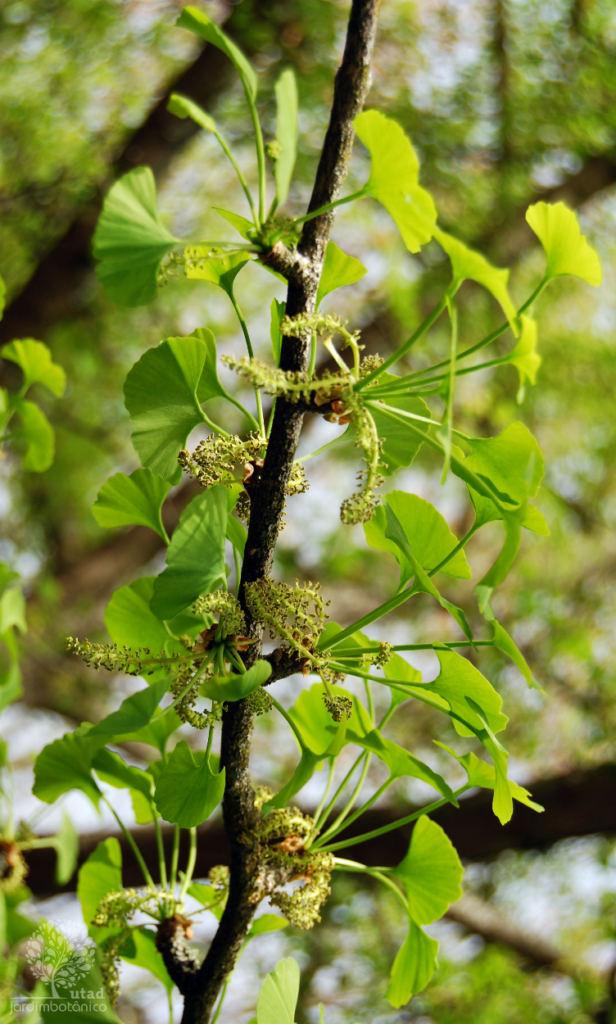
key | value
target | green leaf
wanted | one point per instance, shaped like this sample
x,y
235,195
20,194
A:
x,y
457,681
303,773
482,774
132,500
511,463
37,433
427,532
423,582
130,241
431,872
400,445
66,843
111,768
13,610
209,385
237,686
65,765
267,923
101,873
131,622
134,713
156,732
237,534
279,992
394,178
286,133
196,555
196,21
241,224
220,270
413,967
37,365
317,732
467,264
338,271
566,248
161,397
400,762
208,897
147,956
524,356
2,297
277,310
187,792
182,107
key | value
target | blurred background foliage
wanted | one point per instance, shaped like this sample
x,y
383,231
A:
x,y
506,101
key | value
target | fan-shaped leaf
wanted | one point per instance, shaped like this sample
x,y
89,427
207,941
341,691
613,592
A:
x,y
394,178
237,686
278,996
220,270
413,967
427,532
566,248
338,271
37,433
196,555
286,133
524,356
187,792
466,263
197,21
431,872
129,500
130,241
161,396
37,365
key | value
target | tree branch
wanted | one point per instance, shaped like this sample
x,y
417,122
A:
x,y
267,498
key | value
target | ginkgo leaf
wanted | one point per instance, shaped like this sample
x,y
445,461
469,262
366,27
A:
x,y
196,555
566,248
317,731
468,264
101,874
413,967
65,765
161,397
195,20
279,992
241,224
220,270
36,431
131,622
286,133
2,296
183,107
111,768
400,445
427,532
459,680
187,792
130,242
146,955
66,845
482,774
134,713
511,463
277,310
238,685
132,500
524,356
394,178
431,872
338,270
35,360
395,532
401,762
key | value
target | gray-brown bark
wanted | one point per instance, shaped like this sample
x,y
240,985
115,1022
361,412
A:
x,y
267,496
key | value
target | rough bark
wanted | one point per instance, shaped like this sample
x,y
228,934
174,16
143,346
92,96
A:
x,y
267,496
